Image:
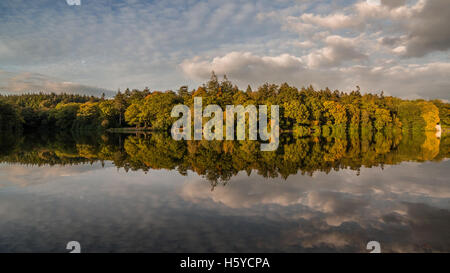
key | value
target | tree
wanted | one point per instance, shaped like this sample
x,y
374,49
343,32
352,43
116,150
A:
x,y
132,115
316,109
212,86
154,111
444,112
10,118
226,92
287,93
65,115
183,91
418,115
241,98
430,115
120,104
157,108
354,114
88,111
382,118
267,93
336,112
108,113
297,111
88,114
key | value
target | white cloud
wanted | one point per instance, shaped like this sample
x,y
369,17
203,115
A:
x,y
408,81
424,25
337,51
333,21
304,44
73,2
243,65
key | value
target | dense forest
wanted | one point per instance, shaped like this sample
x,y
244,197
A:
x,y
303,111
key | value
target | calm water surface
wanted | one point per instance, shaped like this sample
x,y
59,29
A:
x,y
111,200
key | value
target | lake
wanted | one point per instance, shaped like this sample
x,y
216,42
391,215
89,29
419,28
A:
x,y
149,193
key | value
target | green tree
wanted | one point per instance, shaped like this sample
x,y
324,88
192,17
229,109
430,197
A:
x,y
430,114
120,105
10,118
444,112
108,113
297,111
64,115
336,112
382,118
88,116
132,115
212,86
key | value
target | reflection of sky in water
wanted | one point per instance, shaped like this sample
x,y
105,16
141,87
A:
x,y
404,207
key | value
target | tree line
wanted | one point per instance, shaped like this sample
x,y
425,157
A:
x,y
304,111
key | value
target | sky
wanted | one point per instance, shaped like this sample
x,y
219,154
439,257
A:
x,y
400,47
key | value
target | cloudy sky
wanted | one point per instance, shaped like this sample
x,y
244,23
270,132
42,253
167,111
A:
x,y
398,46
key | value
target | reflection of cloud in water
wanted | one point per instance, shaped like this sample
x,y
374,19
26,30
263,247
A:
x,y
338,207
22,175
405,207
409,180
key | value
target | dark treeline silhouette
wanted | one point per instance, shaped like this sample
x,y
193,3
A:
x,y
218,161
304,111
45,111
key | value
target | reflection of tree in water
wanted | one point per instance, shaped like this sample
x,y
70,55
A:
x,y
218,161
